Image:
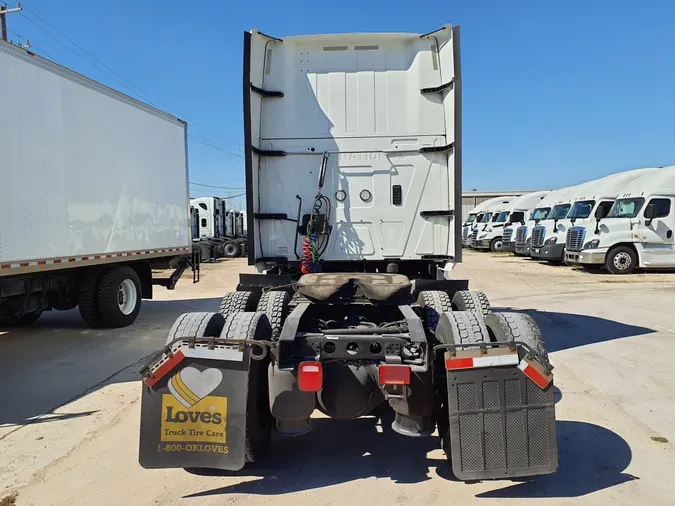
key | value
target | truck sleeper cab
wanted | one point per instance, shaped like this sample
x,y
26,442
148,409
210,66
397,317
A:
x,y
638,230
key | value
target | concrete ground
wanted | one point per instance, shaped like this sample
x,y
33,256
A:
x,y
70,407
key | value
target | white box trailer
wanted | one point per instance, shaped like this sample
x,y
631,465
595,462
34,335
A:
x,y
94,194
353,152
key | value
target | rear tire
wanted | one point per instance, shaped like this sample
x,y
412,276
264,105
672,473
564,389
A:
x,y
433,303
259,420
118,297
621,260
274,305
516,327
235,302
196,325
231,249
86,300
472,301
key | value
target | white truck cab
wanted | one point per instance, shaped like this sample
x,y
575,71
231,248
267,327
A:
x,y
592,197
476,214
638,230
541,213
490,235
521,209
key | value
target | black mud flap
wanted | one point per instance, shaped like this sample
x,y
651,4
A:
x,y
193,407
502,424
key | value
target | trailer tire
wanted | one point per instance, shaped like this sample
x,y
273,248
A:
x,y
621,260
516,327
196,325
86,299
118,297
433,303
456,327
259,420
274,304
231,249
471,300
236,302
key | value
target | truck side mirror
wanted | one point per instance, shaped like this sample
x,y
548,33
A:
x,y
601,212
650,214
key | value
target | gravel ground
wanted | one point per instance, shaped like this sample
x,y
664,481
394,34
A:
x,y
69,406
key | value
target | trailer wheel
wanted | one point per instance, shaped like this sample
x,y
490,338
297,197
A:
x,y
259,420
196,325
231,249
433,303
456,327
471,300
274,305
516,327
621,260
118,297
86,299
235,302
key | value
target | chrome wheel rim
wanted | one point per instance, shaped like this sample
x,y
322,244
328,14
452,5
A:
x,y
622,261
230,249
127,296
498,245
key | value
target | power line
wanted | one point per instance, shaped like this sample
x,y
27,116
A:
x,y
42,50
111,70
214,186
201,141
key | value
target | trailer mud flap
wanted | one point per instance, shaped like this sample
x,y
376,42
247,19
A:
x,y
502,424
193,410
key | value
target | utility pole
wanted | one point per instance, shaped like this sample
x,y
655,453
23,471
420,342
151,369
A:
x,y
4,10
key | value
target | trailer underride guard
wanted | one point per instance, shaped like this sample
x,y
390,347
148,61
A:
x,y
353,310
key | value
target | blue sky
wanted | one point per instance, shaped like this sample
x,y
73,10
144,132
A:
x,y
555,93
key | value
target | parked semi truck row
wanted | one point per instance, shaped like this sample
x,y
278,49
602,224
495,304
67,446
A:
x,y
521,211
477,216
218,232
94,195
353,229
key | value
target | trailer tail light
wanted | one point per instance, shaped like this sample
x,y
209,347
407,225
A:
x,y
454,363
394,374
535,372
310,376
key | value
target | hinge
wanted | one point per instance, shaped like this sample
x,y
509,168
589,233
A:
x,y
437,149
439,89
267,152
266,93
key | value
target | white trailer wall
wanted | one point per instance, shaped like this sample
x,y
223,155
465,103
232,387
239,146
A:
x,y
84,169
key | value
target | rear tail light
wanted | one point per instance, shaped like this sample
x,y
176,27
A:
x,y
310,376
394,374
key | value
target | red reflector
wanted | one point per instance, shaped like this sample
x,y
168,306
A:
x,y
529,370
310,376
394,374
458,363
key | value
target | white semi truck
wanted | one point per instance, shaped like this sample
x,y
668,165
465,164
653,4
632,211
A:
x,y
596,196
220,229
521,209
542,213
475,215
636,233
94,195
485,217
353,166
490,235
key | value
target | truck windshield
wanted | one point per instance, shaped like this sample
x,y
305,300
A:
x,y
540,214
517,217
581,209
626,208
486,218
559,212
502,217
471,218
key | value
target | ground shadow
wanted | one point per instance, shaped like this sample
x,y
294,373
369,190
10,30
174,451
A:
x,y
562,331
591,458
59,359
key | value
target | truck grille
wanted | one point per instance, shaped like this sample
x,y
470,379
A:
x,y
474,236
465,234
508,233
538,234
521,235
575,238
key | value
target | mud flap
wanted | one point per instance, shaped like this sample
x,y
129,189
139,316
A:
x,y
193,408
502,424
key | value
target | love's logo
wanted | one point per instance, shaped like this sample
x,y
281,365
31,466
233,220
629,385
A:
x,y
190,385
